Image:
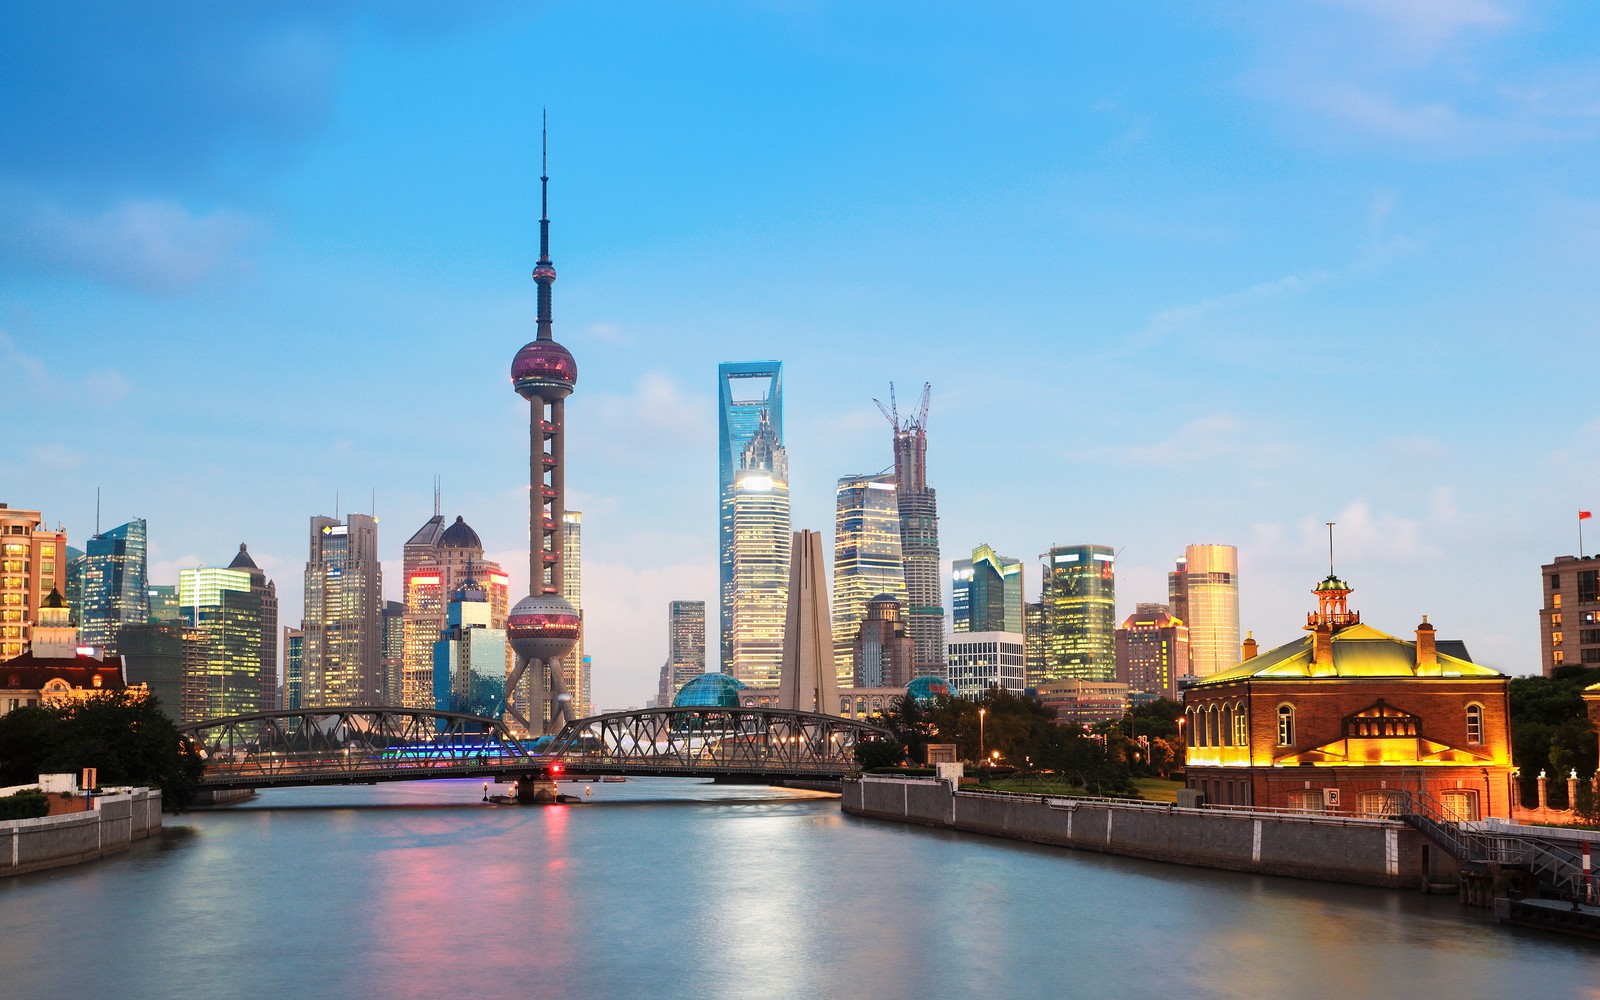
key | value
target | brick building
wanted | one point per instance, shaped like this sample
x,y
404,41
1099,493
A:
x,y
1347,717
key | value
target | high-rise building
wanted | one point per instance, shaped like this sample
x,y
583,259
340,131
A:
x,y
153,655
1206,586
436,562
1033,642
33,562
867,560
544,627
163,603
983,660
883,654
575,667
986,593
267,592
115,588
343,646
761,538
749,395
1152,650
919,535
1569,621
469,657
686,646
225,670
393,661
1080,613
294,644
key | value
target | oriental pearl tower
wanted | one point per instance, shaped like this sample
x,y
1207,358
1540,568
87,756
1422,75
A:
x,y
543,626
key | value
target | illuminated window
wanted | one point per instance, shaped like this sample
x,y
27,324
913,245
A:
x,y
1460,804
1555,618
1555,638
1285,725
1380,803
1555,600
1474,723
1556,658
1241,727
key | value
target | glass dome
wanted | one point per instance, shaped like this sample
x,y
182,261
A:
x,y
926,689
710,691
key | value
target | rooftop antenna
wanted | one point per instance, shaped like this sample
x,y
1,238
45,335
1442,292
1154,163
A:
x,y
1330,546
97,510
435,494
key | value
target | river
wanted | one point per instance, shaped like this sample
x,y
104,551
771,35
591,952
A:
x,y
665,888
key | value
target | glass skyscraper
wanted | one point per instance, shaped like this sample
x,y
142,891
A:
x,y
223,669
759,592
1080,614
342,657
469,657
748,392
986,593
115,587
866,559
1205,587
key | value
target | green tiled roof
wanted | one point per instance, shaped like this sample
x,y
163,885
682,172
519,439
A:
x,y
1358,651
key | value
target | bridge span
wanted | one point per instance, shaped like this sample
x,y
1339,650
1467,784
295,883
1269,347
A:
x,y
367,744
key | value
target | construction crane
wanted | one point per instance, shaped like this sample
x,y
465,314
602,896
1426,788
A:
x,y
891,412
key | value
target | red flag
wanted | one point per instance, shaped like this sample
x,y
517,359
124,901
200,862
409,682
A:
x,y
1584,515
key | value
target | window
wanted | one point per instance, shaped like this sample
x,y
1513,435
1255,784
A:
x,y
1227,728
1555,581
1307,800
1380,803
1555,600
1555,638
1556,658
1460,804
1555,618
1590,656
1241,727
1211,725
1589,636
1474,723
1588,586
1285,725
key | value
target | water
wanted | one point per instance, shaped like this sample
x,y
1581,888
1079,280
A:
x,y
676,889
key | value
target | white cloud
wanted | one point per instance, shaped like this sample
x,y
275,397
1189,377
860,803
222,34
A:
x,y
1203,441
98,388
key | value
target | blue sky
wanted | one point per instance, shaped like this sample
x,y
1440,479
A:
x,y
1177,273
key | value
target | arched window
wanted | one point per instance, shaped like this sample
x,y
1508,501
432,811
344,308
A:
x,y
1474,723
1192,734
1227,725
1241,726
1285,725
1211,727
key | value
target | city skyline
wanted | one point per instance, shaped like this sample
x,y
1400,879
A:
x,y
1153,225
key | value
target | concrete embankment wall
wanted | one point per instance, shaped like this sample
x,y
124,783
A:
x,y
1335,849
116,821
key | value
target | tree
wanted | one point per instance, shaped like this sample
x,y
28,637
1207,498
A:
x,y
125,737
1551,731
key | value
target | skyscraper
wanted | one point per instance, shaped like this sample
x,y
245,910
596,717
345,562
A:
x,y
1208,591
437,560
267,593
544,626
575,668
1152,651
883,653
343,624
749,394
866,560
919,535
986,593
393,660
163,601
231,625
469,657
114,585
294,644
1080,613
1569,619
686,646
33,562
759,506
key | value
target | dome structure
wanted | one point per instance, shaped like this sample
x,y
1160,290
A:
x,y
710,691
459,536
543,627
927,689
545,369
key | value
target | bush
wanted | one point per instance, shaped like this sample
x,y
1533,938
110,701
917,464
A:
x,y
30,803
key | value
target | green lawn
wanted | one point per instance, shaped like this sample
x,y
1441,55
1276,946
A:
x,y
1158,789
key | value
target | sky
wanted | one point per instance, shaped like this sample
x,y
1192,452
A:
x,y
1176,272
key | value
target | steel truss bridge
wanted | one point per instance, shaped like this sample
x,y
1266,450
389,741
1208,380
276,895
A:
x,y
368,744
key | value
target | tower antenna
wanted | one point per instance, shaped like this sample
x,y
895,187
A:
x,y
435,494
97,510
1330,546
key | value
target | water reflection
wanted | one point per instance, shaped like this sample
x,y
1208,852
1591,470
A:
x,y
671,888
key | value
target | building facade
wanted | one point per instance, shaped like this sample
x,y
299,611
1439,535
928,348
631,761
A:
x,y
438,560
867,560
294,645
1152,650
884,654
761,541
1569,620
1084,703
342,654
33,562
1349,720
575,667
749,395
115,585
979,661
686,647
1080,614
469,657
918,510
230,621
986,593
152,655
1206,586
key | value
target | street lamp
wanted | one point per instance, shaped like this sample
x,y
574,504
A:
x,y
981,713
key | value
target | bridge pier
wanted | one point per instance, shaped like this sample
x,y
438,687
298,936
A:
x,y
536,790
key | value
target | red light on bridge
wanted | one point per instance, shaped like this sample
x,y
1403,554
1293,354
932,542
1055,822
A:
x,y
557,767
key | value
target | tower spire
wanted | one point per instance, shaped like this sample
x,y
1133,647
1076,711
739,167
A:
x,y
544,272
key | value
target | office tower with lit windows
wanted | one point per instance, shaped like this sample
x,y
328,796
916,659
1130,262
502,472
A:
x,y
163,603
393,661
1033,642
761,539
33,562
575,668
115,587
1080,613
436,561
343,624
469,657
866,560
749,395
686,646
231,628
1152,651
1569,620
294,644
983,660
918,510
986,593
883,654
1203,592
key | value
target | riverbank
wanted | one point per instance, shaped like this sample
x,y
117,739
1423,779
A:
x,y
1376,852
110,827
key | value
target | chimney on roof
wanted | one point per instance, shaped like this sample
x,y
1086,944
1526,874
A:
x,y
1249,646
1322,648
1427,653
